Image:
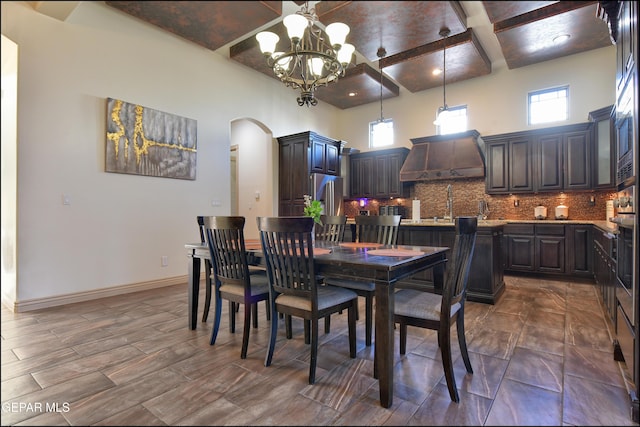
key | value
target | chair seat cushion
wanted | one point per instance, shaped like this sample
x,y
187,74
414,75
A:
x,y
327,296
419,304
259,285
351,284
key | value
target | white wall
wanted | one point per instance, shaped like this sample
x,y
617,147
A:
x,y
118,226
496,103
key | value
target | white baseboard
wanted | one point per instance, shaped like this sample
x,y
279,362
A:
x,y
39,303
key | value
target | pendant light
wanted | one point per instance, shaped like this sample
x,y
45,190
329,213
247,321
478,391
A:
x,y
443,111
381,54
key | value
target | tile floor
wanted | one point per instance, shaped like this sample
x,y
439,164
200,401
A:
x,y
541,356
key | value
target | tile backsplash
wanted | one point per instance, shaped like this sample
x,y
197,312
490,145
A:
x,y
468,192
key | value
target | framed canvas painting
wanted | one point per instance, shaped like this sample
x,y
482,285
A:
x,y
144,141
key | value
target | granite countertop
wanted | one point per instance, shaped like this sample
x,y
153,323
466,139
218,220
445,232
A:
x,y
603,225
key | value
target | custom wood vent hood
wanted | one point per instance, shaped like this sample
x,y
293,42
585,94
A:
x,y
459,155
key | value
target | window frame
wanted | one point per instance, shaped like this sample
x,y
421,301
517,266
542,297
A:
x,y
464,108
372,127
555,89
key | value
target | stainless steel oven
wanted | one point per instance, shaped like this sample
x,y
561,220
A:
x,y
625,218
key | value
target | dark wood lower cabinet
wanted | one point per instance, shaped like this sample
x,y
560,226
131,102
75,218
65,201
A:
x,y
486,276
563,249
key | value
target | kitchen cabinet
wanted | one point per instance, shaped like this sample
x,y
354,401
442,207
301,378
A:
x,y
535,248
579,250
486,275
603,152
519,247
550,159
604,270
376,174
509,164
300,155
546,248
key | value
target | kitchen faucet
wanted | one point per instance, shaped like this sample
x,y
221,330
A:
x,y
449,212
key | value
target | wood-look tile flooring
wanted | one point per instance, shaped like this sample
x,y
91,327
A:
x,y
541,356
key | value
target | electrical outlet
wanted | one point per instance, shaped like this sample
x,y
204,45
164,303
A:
x,y
164,260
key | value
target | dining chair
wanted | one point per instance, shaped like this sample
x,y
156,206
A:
x,y
382,229
295,289
439,312
332,228
233,280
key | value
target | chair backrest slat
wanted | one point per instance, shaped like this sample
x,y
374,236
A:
x,y
377,229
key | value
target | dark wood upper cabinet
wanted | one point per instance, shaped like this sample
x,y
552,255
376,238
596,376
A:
x,y
376,174
603,153
300,155
550,159
509,163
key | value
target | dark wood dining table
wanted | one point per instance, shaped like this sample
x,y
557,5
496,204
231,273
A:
x,y
385,265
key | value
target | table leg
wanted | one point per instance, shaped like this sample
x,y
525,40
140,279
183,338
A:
x,y
194,290
384,345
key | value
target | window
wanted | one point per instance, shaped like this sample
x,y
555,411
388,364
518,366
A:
x,y
549,105
381,133
454,122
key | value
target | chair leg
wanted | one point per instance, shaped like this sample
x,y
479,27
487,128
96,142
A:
x,y
368,317
447,364
272,335
208,286
232,316
217,313
287,325
403,338
307,328
351,318
267,309
248,308
327,324
254,308
462,341
314,351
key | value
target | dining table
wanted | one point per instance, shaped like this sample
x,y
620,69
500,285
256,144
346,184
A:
x,y
384,265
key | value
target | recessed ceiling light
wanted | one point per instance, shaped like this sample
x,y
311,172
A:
x,y
353,93
436,71
561,38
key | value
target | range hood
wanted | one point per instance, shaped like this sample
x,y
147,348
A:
x,y
453,156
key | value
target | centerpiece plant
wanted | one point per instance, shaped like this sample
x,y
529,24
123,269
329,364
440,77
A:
x,y
312,208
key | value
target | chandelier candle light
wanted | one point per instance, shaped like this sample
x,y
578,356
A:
x,y
443,111
315,58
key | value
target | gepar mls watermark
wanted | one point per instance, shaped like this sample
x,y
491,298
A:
x,y
35,407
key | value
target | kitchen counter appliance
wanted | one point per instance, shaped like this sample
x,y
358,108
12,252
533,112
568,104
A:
x,y
540,212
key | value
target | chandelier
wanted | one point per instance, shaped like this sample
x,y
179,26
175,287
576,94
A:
x,y
315,57
443,111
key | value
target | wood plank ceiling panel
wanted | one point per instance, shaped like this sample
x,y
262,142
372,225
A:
x,y
211,24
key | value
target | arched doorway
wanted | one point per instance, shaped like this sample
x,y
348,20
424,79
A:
x,y
254,157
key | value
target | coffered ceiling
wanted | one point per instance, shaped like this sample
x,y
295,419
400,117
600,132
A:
x,y
484,35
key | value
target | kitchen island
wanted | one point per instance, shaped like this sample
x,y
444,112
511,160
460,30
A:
x,y
486,277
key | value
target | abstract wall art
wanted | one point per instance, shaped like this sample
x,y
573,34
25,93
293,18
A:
x,y
144,141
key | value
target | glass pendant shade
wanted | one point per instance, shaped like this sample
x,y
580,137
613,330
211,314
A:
x,y
268,41
443,113
296,25
337,33
345,53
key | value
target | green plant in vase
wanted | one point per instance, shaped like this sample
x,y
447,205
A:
x,y
312,208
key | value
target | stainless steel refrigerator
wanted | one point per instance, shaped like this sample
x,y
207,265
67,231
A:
x,y
328,189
